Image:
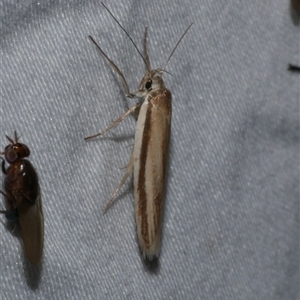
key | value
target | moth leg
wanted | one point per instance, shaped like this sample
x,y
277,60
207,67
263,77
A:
x,y
128,172
116,122
137,112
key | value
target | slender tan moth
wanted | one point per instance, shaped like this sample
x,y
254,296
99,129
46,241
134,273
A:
x,y
149,156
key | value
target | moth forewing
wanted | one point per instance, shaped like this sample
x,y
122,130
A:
x,y
150,168
32,226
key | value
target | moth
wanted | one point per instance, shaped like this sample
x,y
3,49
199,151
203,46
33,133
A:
x,y
23,197
149,156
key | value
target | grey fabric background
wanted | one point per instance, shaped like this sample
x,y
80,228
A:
x,y
231,228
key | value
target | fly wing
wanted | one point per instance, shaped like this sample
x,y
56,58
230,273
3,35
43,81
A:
x,y
32,226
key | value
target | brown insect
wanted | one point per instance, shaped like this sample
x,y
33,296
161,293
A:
x,y
23,197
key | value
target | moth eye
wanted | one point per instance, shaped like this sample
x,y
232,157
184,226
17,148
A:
x,y
148,85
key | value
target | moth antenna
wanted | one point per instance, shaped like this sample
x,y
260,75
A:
x,y
135,46
176,47
161,71
147,60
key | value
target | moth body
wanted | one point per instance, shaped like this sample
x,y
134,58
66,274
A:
x,y
151,147
149,157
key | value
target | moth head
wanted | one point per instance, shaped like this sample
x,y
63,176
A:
x,y
15,150
152,81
